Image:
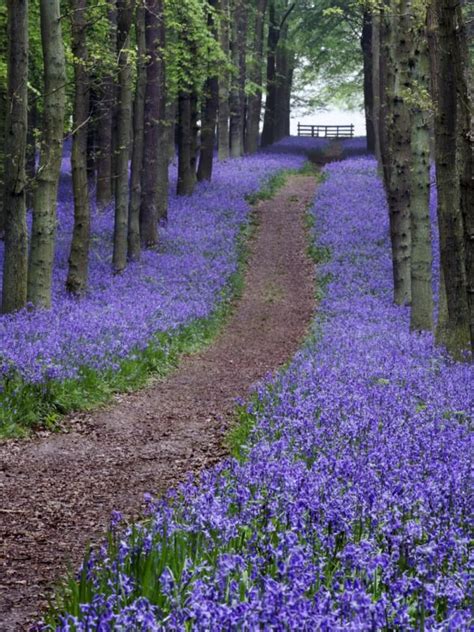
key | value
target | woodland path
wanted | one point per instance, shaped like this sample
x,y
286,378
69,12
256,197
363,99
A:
x,y
57,491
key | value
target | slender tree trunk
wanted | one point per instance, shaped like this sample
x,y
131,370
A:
x,y
421,315
186,178
238,33
254,104
268,132
154,29
465,87
454,333
79,254
366,44
134,248
194,127
15,262
284,74
43,233
209,112
3,113
376,72
224,81
398,153
105,115
124,120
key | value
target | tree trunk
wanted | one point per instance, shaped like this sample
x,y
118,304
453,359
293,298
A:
x,y
79,255
268,132
209,112
3,113
186,178
284,75
40,270
376,88
398,153
15,262
454,333
464,81
366,44
235,99
254,103
134,248
224,80
154,31
124,121
421,314
105,112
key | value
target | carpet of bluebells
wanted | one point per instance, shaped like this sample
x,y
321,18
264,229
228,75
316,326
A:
x,y
350,509
182,280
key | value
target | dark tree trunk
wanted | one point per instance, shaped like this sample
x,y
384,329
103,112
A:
x,y
284,77
209,113
186,177
194,127
124,121
134,247
376,86
43,232
224,81
254,102
154,34
3,112
453,331
236,92
79,254
268,132
105,115
15,262
464,81
366,43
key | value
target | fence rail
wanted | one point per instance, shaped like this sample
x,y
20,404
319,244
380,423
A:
x,y
326,131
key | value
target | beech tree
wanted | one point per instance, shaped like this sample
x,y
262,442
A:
x,y
154,88
40,268
254,103
16,236
134,246
79,253
124,120
453,325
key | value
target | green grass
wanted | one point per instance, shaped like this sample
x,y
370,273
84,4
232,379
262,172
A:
x,y
25,407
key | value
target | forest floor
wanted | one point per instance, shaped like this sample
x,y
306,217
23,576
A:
x,y
58,491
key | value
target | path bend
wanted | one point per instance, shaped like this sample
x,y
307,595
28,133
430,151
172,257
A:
x,y
56,492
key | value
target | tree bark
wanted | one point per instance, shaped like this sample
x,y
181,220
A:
x,y
79,254
454,333
224,81
186,178
465,86
209,112
376,87
105,115
154,32
15,264
124,120
43,233
367,53
268,132
134,247
254,103
398,152
235,98
421,313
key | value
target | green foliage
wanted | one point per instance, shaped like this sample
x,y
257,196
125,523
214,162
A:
x,y
326,37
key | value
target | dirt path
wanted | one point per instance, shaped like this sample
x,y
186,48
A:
x,y
58,491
